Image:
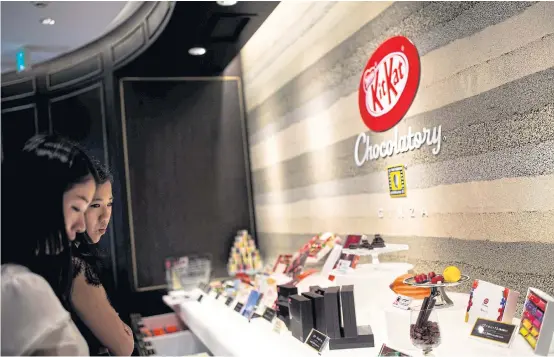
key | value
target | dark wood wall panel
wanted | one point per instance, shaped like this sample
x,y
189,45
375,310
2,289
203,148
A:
x,y
185,144
80,116
19,88
18,125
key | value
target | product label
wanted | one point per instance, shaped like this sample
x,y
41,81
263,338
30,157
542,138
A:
x,y
279,326
387,351
317,340
494,331
269,314
238,307
402,302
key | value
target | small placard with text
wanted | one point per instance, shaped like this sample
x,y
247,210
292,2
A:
x,y
269,314
317,340
402,302
497,332
238,307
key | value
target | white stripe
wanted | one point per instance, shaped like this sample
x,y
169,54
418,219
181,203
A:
x,y
495,56
291,23
344,19
281,19
503,195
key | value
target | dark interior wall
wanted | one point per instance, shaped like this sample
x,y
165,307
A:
x,y
185,144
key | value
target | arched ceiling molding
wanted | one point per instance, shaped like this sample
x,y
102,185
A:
x,y
113,50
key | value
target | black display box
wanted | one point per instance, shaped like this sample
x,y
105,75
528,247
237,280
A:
x,y
301,316
331,302
348,309
364,339
318,310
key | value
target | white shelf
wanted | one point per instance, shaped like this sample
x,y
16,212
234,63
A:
x,y
375,252
222,330
363,270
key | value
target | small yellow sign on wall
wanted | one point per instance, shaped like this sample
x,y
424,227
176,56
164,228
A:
x,y
397,181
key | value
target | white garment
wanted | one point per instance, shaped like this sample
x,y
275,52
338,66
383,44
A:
x,y
34,321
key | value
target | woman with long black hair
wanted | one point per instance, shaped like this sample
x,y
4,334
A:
x,y
94,315
46,190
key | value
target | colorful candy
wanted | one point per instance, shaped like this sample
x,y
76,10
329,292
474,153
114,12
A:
x,y
527,324
532,341
537,301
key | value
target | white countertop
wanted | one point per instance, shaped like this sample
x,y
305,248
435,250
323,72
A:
x,y
227,333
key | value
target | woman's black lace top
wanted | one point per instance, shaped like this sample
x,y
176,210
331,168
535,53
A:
x,y
87,259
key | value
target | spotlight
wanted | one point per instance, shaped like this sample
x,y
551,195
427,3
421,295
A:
x,y
197,51
47,21
226,3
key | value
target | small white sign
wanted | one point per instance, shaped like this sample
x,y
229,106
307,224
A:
x,y
402,302
278,325
343,265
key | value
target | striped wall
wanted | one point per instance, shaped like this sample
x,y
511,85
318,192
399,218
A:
x,y
487,77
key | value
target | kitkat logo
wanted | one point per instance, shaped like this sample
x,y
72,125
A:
x,y
389,84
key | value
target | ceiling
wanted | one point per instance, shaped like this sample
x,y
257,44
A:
x,y
221,30
77,23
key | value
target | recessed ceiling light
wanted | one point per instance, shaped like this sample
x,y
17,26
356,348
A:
x,y
226,3
47,21
197,51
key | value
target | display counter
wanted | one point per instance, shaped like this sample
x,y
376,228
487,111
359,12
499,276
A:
x,y
226,333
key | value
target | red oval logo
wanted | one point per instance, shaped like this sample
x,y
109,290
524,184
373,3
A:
x,y
389,83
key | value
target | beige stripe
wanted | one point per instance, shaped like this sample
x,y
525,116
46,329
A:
x,y
499,227
449,208
484,66
341,22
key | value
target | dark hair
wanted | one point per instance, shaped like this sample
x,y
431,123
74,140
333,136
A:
x,y
104,174
33,225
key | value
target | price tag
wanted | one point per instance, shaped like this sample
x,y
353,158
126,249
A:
x,y
217,296
317,340
493,331
238,307
269,314
402,302
387,351
343,265
279,326
229,301
200,297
